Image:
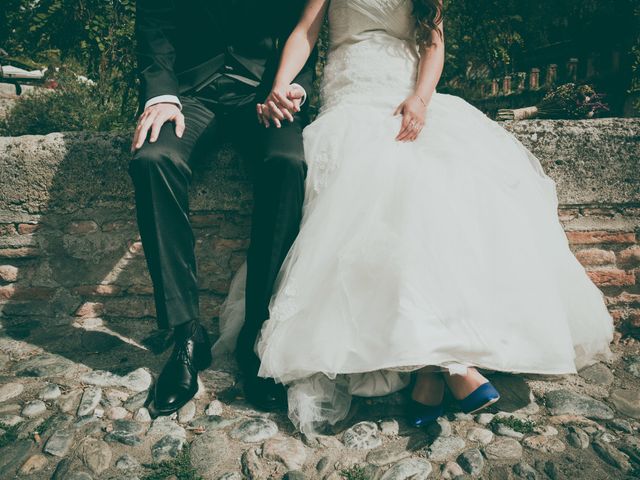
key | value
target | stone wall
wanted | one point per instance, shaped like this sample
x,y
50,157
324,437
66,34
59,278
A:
x,y
70,252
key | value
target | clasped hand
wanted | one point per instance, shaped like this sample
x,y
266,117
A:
x,y
281,104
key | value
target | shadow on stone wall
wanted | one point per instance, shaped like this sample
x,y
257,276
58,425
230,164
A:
x,y
74,278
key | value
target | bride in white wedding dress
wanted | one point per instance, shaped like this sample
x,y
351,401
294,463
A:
x,y
435,247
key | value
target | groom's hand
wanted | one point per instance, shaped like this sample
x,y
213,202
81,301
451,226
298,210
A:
x,y
152,119
281,104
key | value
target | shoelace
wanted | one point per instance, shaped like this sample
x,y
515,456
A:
x,y
181,354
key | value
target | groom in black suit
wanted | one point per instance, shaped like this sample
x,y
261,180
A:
x,y
203,66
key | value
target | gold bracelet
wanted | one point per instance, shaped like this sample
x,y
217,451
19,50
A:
x,y
421,99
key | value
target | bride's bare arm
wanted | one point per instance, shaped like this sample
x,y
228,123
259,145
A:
x,y
414,108
296,51
301,41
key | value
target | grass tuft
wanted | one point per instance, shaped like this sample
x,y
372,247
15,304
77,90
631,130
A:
x,y
180,468
354,473
514,423
10,434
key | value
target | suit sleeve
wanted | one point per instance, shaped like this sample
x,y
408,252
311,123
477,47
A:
x,y
154,29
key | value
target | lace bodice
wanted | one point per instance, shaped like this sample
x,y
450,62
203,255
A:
x,y
354,20
372,53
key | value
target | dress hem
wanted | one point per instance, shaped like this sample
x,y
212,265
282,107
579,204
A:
x,y
395,368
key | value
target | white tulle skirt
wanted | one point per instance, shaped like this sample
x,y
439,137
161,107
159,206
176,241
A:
x,y
446,251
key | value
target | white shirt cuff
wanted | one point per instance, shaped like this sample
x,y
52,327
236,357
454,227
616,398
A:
x,y
304,93
163,99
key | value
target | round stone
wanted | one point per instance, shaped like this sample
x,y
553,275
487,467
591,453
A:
x,y
45,365
10,390
69,402
445,448
544,443
95,454
387,454
463,417
59,443
626,402
34,408
214,408
34,463
11,420
621,425
451,470
389,427
633,367
137,381
167,448
186,413
560,402
288,451
126,432
505,431
612,455
142,415
471,461
503,448
440,428
50,392
136,401
210,453
10,408
409,468
162,426
362,436
598,374
89,401
480,435
117,413
255,429
577,437
484,418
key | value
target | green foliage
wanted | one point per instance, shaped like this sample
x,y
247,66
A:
x,y
75,105
354,473
94,36
514,423
179,468
634,88
491,38
9,436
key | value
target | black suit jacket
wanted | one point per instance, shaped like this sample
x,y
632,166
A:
x,y
183,44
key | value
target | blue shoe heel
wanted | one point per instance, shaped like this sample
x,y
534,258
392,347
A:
x,y
483,396
421,414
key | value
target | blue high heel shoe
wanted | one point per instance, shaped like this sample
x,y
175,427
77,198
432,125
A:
x,y
483,396
420,414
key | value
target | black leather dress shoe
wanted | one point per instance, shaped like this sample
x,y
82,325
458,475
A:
x,y
178,381
264,394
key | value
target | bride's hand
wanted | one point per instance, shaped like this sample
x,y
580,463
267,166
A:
x,y
281,104
413,111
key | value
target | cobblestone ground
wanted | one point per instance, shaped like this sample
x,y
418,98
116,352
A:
x,y
61,419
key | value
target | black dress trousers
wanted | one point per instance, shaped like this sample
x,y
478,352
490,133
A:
x,y
162,173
